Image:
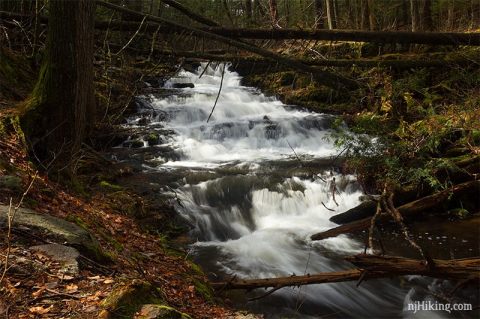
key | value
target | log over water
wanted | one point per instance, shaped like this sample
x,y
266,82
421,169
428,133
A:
x,y
369,267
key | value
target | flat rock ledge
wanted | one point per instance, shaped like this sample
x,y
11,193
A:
x,y
55,230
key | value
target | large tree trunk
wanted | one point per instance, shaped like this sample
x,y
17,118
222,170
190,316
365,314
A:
x,y
370,267
60,110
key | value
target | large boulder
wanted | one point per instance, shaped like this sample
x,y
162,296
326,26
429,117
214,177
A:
x,y
55,229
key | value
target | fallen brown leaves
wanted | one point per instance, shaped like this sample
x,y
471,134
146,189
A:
x,y
35,287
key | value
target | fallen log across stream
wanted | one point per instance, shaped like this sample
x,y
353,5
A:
x,y
430,38
329,79
416,207
369,267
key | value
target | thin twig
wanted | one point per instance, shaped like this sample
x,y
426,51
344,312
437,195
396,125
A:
x,y
218,95
133,37
10,219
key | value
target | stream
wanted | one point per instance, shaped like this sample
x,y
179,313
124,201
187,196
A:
x,y
254,183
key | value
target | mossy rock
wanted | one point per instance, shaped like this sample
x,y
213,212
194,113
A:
x,y
126,299
152,311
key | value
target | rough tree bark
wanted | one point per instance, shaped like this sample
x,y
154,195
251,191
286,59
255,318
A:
x,y
60,110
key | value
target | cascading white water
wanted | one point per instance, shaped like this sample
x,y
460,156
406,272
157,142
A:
x,y
254,216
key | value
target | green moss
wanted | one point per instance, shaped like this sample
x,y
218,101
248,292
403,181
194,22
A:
x,y
110,186
204,290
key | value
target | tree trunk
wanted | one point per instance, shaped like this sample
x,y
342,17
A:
x,y
319,14
248,11
61,108
258,11
365,13
427,15
371,267
416,26
330,15
419,206
371,16
273,12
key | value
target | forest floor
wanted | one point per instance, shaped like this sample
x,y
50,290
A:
x,y
129,266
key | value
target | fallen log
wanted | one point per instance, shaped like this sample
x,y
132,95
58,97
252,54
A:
x,y
370,267
407,210
430,38
323,77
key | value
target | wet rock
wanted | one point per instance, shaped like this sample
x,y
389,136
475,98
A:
x,y
133,144
153,311
13,183
67,256
56,229
364,210
183,85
